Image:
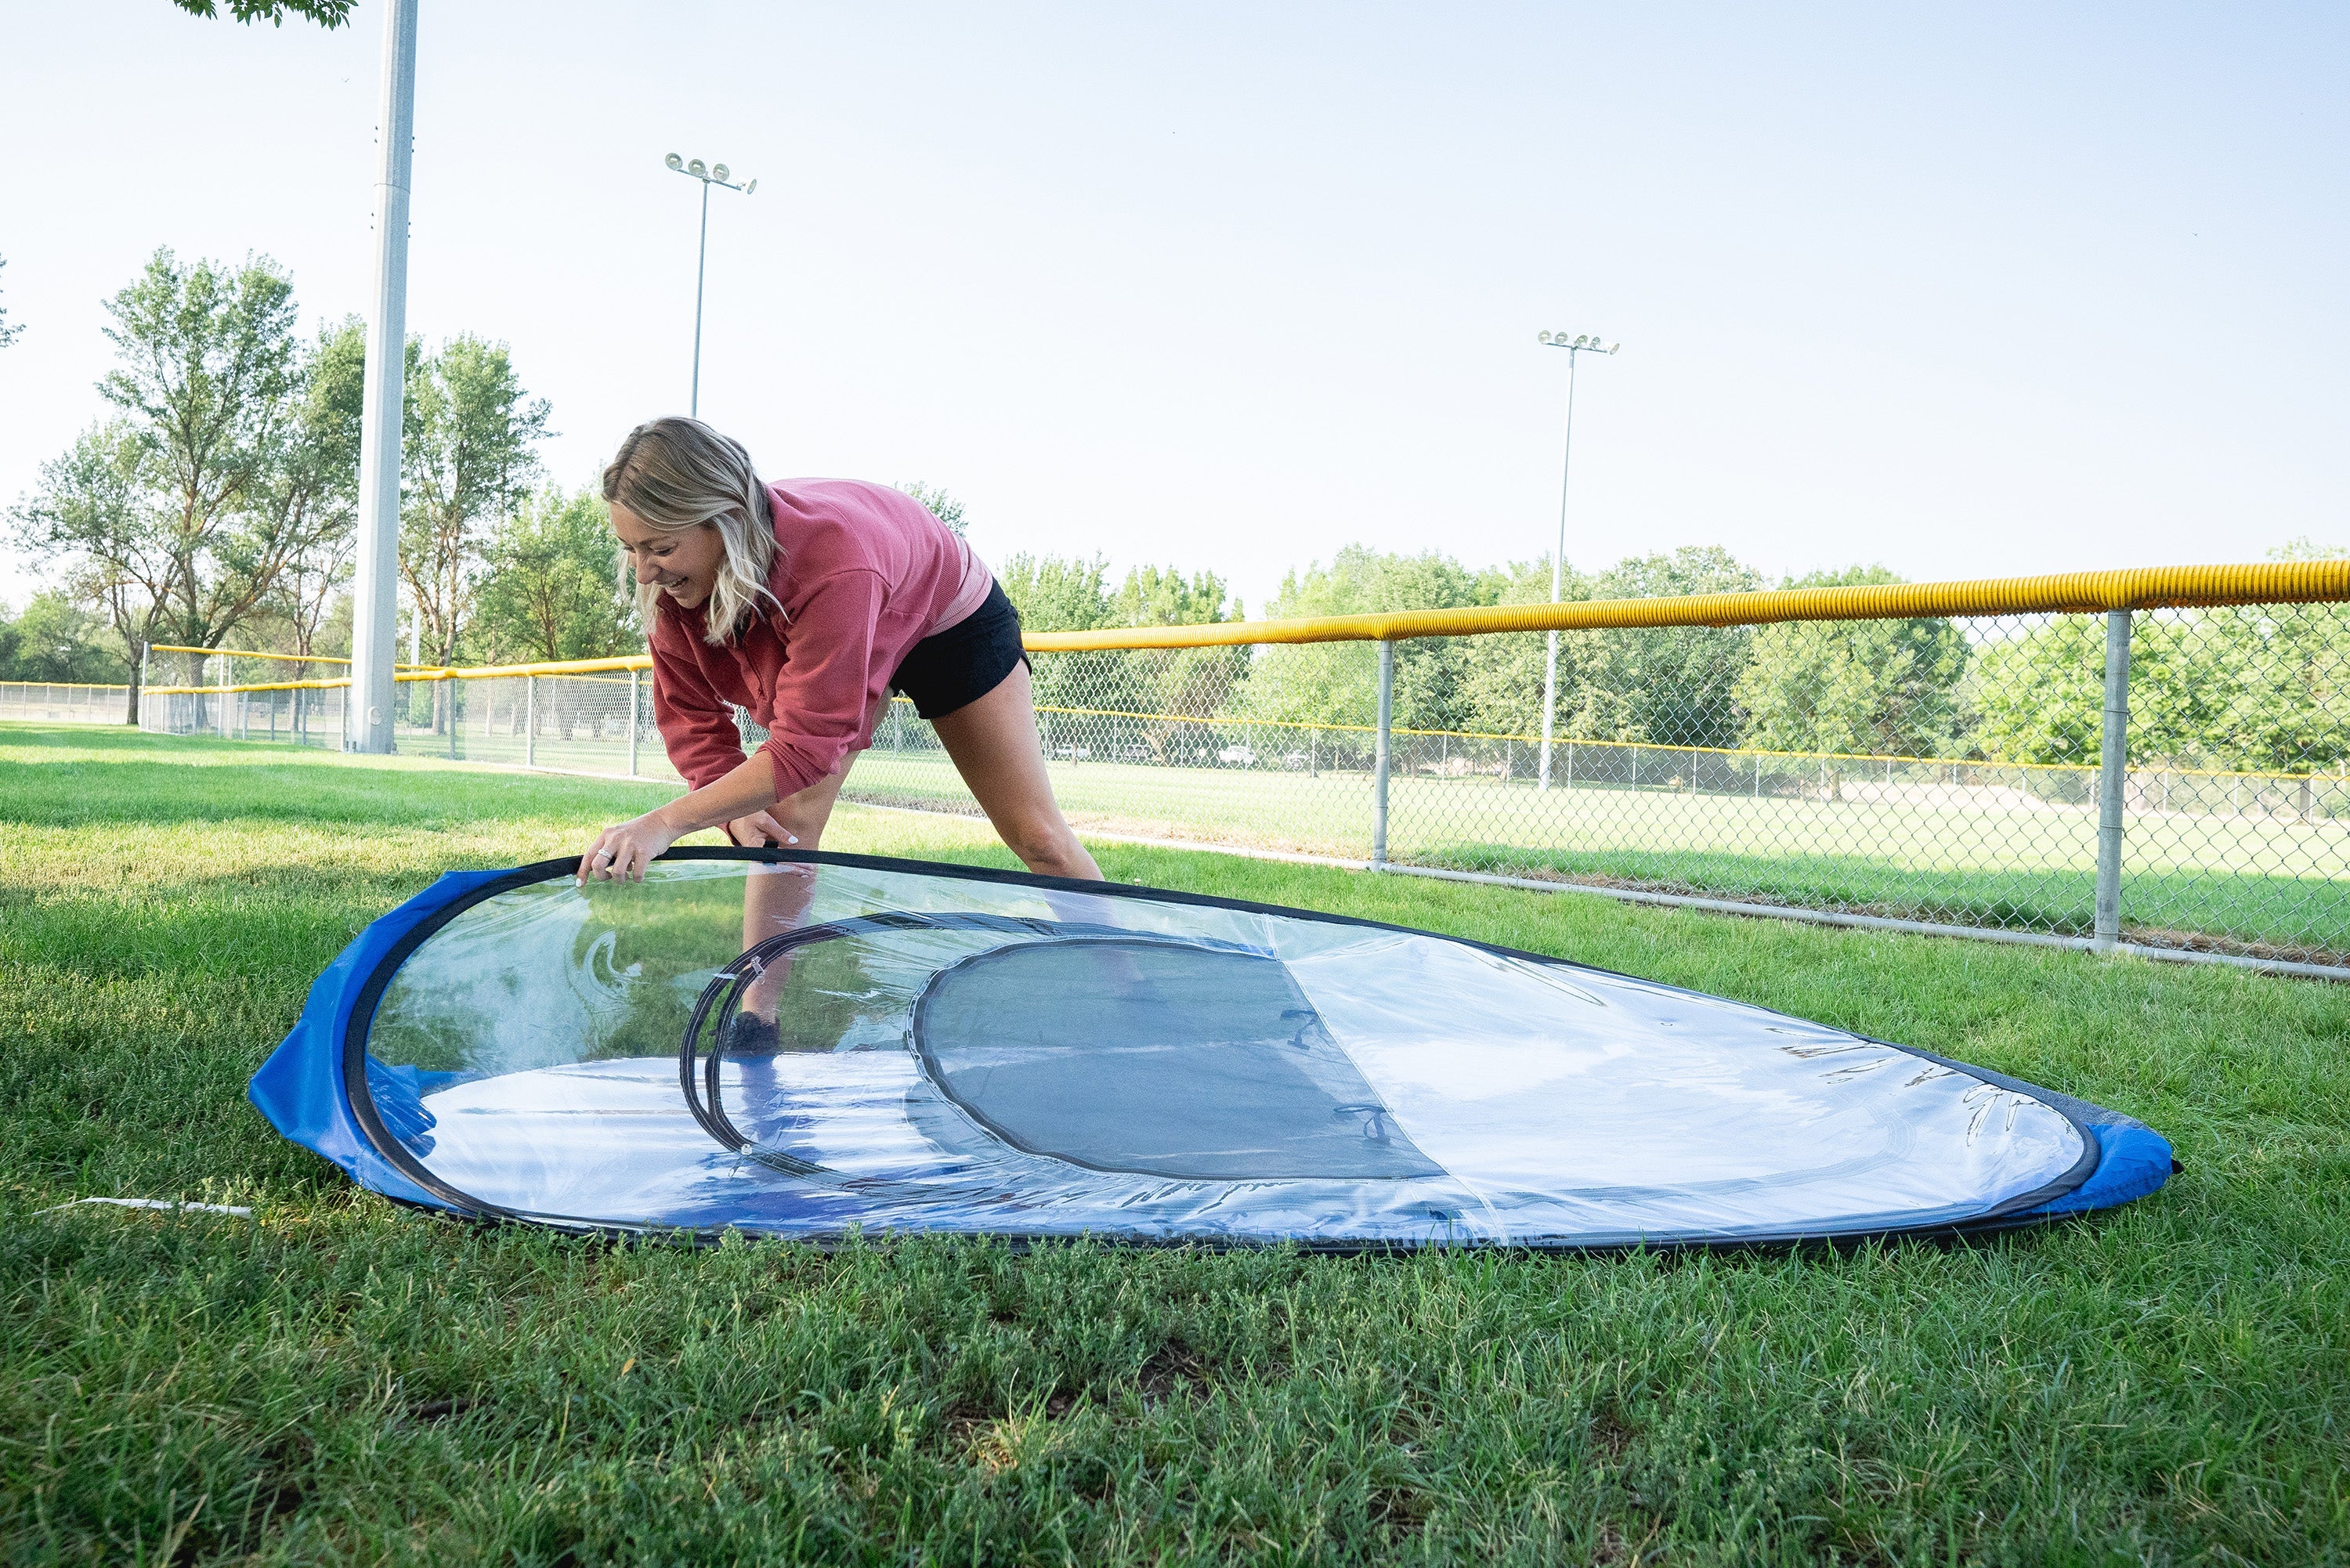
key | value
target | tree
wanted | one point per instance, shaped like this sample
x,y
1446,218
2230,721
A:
x,y
327,14
1336,682
316,490
2279,699
469,459
941,505
210,379
57,640
1073,595
550,591
1669,686
1879,687
1055,595
1502,674
2255,688
180,515
92,510
8,334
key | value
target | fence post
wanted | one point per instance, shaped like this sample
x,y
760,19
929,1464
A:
x,y
1380,753
635,679
530,720
223,699
2112,777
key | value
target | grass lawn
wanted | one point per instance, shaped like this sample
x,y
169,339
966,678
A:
x,y
335,1379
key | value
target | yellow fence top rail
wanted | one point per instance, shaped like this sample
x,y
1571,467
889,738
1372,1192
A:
x,y
2144,588
2075,592
256,653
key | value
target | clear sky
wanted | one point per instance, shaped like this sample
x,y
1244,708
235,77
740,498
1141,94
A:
x,y
1966,290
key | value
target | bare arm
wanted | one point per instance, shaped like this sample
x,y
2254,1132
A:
x,y
621,854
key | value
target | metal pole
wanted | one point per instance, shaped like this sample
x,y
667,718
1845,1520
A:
x,y
700,262
1380,758
222,717
2112,774
139,709
530,720
375,629
633,720
1557,576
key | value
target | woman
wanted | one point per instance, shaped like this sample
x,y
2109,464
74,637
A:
x,y
806,603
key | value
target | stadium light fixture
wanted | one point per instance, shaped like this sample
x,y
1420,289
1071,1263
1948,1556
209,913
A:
x,y
709,176
1583,344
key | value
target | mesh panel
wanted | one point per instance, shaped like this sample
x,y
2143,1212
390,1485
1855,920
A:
x,y
1159,1058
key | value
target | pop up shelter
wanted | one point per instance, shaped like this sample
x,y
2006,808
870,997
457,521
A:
x,y
800,1043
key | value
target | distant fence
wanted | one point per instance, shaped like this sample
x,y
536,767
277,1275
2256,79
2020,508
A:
x,y
2154,761
58,703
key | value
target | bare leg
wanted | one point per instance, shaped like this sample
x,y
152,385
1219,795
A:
x,y
775,896
994,746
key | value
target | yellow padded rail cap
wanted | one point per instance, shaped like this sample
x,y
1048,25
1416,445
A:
x,y
2085,593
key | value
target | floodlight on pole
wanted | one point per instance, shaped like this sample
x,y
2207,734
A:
x,y
709,176
1584,344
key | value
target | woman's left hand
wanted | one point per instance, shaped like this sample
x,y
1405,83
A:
x,y
621,854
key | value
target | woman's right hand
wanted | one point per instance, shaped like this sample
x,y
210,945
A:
x,y
760,830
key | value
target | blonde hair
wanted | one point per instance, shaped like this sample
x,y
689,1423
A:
x,y
677,474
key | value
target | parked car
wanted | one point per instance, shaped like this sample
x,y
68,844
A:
x,y
1237,756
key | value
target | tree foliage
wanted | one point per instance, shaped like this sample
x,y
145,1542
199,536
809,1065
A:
x,y
9,332
54,638
327,14
1179,686
551,588
222,465
939,505
1667,685
469,460
1876,687
2254,687
1335,682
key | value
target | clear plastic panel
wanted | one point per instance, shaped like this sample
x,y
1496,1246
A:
x,y
1225,1075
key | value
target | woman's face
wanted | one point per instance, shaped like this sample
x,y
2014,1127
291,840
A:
x,y
683,563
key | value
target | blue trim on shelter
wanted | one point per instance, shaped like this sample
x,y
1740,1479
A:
x,y
300,1087
2133,1160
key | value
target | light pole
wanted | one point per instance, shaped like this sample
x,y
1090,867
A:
x,y
709,176
375,573
1574,346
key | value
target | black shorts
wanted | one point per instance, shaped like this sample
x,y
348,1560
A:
x,y
955,668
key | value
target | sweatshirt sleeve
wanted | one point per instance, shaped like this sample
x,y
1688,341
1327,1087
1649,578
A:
x,y
828,684
697,727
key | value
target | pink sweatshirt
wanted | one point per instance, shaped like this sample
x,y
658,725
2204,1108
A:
x,y
864,573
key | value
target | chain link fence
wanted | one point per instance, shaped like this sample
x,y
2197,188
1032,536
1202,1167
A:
x,y
57,703
1942,772
1953,773
595,722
